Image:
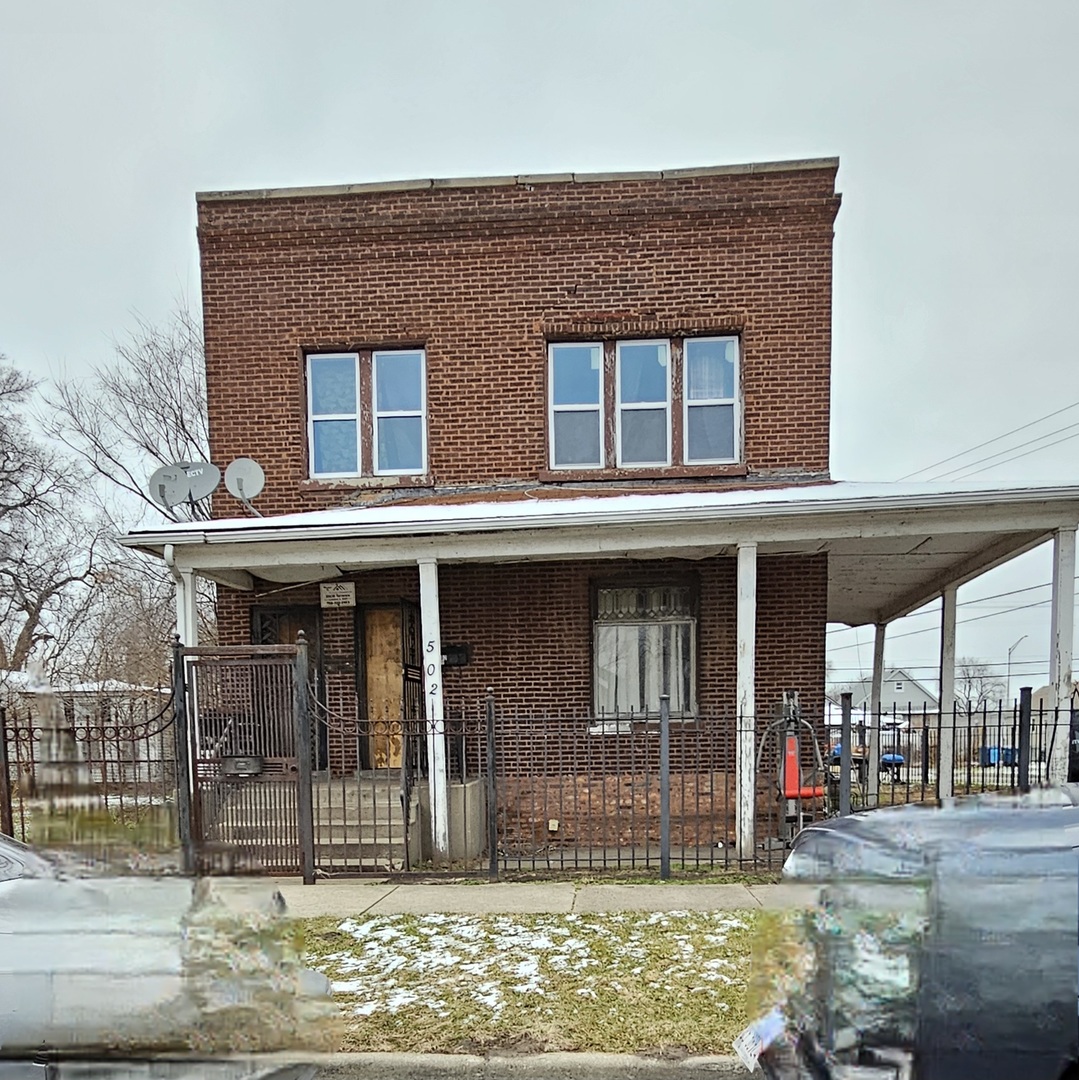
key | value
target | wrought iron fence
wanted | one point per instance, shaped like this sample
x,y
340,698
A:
x,y
525,793
95,779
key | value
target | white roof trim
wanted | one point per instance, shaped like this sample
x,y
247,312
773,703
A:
x,y
681,508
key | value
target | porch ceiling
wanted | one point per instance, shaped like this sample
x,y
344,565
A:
x,y
891,548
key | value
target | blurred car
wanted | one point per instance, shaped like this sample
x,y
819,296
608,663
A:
x,y
108,969
944,945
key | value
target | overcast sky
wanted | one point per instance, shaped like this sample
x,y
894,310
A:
x,y
957,246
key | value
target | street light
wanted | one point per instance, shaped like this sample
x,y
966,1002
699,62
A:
x,y
1010,651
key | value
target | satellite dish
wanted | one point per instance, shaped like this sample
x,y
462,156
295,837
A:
x,y
203,478
169,486
245,479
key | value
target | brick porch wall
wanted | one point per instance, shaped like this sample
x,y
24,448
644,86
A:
x,y
529,626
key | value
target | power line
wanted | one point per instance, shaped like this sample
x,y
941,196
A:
x,y
961,603
1036,450
1000,453
989,442
961,622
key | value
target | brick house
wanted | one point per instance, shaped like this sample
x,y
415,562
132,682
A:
x,y
568,433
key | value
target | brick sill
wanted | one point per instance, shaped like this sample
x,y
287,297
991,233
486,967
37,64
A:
x,y
669,472
374,483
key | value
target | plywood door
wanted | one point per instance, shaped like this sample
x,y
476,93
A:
x,y
385,684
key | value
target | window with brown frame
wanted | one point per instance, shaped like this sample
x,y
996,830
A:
x,y
644,646
632,404
367,413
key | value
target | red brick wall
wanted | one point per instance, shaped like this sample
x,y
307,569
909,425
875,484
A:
x,y
529,626
483,277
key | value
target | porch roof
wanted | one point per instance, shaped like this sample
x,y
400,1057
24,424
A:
x,y
891,547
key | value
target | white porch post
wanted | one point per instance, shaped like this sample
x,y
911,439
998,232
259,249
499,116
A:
x,y
436,737
873,765
187,612
946,706
1060,645
745,749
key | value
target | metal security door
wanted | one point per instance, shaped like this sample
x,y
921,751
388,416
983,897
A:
x,y
247,770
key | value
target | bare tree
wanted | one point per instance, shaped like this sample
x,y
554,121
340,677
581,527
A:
x,y
145,410
976,686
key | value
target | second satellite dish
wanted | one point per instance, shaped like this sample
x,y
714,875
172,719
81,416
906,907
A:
x,y
203,478
245,479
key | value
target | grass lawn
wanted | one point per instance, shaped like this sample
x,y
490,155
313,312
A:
x,y
660,983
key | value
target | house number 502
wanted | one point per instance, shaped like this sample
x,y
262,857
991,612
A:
x,y
432,668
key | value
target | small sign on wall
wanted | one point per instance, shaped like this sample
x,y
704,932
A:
x,y
338,594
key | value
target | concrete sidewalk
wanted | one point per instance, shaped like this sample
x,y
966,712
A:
x,y
353,896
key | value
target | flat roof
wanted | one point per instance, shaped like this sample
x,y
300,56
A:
x,y
526,180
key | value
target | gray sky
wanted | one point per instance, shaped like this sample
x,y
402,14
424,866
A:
x,y
957,247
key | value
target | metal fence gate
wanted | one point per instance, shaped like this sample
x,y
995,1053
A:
x,y
245,712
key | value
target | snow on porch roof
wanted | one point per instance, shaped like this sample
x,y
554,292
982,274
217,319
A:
x,y
527,512
891,547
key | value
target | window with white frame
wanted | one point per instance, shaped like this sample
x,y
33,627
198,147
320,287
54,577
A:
x,y
399,408
333,414
348,439
643,376
576,394
710,381
645,404
644,646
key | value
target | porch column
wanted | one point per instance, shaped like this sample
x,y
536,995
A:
x,y
187,612
946,705
1060,649
873,765
436,729
745,748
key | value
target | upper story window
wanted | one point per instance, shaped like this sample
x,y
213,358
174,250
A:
x,y
576,373
644,404
711,400
389,438
399,442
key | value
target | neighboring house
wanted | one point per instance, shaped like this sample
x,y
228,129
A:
x,y
900,693
571,432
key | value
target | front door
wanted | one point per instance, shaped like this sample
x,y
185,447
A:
x,y
390,679
282,626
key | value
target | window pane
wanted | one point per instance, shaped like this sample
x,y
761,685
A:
x,y
642,372
618,671
335,447
576,438
398,382
576,374
400,444
333,385
636,663
644,436
710,369
710,432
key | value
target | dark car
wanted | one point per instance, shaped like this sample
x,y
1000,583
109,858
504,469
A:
x,y
945,944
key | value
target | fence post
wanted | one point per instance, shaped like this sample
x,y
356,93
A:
x,y
844,754
492,791
182,735
664,787
7,816
1024,739
305,816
